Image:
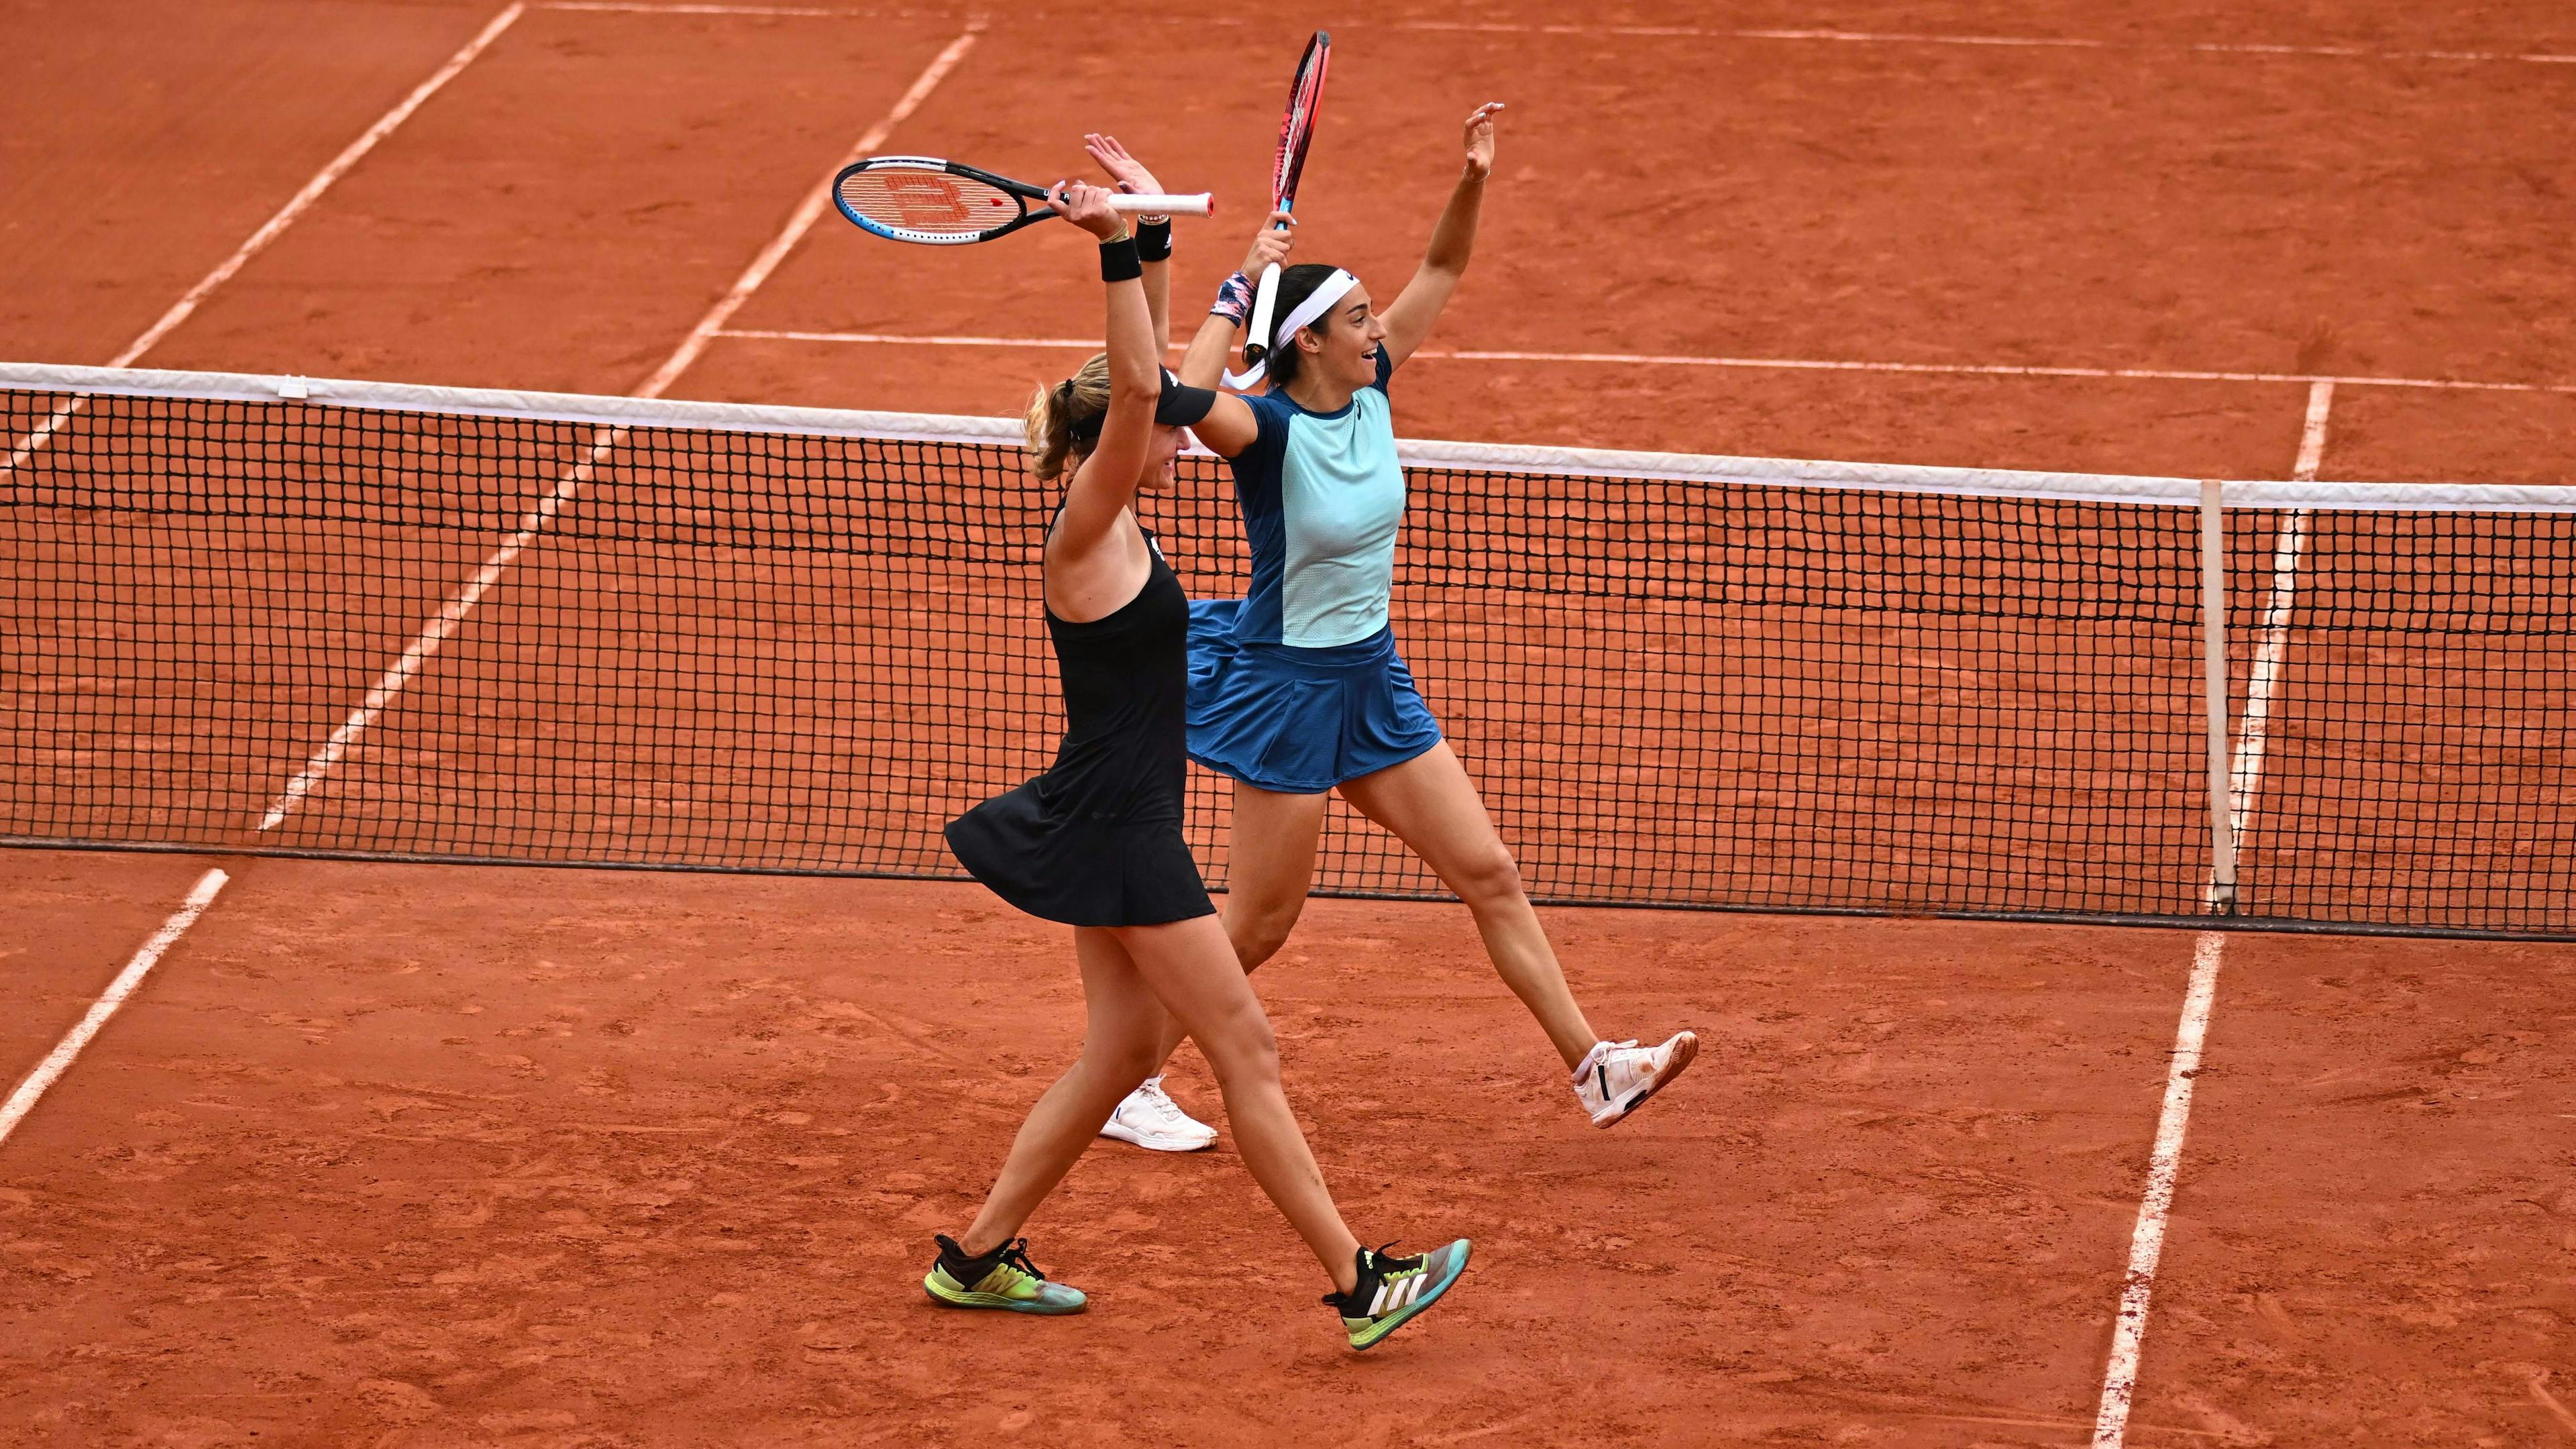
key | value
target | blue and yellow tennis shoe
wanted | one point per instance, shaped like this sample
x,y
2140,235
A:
x,y
1003,1278
1392,1290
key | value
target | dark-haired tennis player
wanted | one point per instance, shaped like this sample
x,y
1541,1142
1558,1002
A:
x,y
1297,690
1095,842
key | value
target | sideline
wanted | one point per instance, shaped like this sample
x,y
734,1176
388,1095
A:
x,y
59,1060
451,614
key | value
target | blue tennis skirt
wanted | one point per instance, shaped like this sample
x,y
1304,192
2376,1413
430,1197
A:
x,y
1299,721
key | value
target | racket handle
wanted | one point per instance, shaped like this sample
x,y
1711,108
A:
x,y
1202,204
1256,342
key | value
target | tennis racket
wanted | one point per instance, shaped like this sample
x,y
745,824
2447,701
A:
x,y
944,203
1296,129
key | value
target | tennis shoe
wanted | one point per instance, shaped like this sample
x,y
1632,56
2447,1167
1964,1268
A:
x,y
1155,1122
1392,1290
1003,1278
1617,1077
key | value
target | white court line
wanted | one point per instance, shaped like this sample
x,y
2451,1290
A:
x,y
322,181
1793,364
1653,32
808,211
637,7
2164,1165
2289,546
451,615
275,227
2245,779
2016,42
59,1060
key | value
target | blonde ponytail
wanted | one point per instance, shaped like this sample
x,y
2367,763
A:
x,y
1054,410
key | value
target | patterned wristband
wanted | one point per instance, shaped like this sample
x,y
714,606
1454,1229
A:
x,y
1233,299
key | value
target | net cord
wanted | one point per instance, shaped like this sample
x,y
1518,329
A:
x,y
633,412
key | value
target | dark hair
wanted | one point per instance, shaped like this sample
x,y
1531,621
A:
x,y
1296,284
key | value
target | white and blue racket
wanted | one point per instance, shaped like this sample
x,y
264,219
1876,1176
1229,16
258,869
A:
x,y
946,203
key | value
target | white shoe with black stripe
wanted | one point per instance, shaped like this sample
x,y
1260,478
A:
x,y
1617,1077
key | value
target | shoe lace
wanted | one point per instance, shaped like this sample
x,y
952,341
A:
x,y
1160,1103
1388,1267
1017,1256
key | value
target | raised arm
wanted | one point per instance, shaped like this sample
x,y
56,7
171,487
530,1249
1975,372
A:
x,y
1408,320
1106,482
1229,427
1153,234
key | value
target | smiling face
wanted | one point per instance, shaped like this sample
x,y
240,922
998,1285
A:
x,y
1165,445
1340,349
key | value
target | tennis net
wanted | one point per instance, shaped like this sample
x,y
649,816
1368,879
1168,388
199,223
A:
x,y
357,619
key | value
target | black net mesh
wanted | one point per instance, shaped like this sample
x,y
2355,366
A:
x,y
288,626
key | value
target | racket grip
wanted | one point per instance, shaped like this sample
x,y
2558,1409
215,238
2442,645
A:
x,y
1256,341
1202,204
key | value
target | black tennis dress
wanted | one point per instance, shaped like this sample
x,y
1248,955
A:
x,y
1096,840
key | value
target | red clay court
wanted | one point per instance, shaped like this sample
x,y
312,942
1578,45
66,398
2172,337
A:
x,y
414,1154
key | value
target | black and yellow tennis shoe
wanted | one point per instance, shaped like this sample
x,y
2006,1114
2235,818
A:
x,y
1392,1290
1003,1278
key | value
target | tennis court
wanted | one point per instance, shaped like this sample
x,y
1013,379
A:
x,y
402,1152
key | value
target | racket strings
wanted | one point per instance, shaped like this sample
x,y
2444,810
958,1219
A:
x,y
928,201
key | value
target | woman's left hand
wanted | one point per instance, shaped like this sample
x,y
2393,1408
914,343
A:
x,y
1480,140
1126,170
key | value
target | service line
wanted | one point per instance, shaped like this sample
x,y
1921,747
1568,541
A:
x,y
1637,32
59,1060
1790,364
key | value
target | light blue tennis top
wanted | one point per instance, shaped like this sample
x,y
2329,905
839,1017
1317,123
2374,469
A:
x,y
1322,498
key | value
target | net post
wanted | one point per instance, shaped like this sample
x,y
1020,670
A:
x,y
2213,658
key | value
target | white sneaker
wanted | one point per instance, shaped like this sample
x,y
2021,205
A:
x,y
1155,1122
1617,1077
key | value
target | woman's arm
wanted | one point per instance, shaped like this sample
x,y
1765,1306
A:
x,y
1132,177
1408,320
1106,482
1229,427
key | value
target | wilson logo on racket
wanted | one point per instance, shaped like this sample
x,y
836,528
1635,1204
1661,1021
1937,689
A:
x,y
942,203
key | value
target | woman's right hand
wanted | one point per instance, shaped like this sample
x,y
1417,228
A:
x,y
1087,206
1271,247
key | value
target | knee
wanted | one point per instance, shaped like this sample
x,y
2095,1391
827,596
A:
x,y
1242,1048
1487,876
1259,930
1125,1063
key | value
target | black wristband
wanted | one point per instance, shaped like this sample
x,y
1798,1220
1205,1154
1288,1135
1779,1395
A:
x,y
1119,262
1154,240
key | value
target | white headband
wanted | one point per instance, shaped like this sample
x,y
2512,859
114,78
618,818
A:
x,y
1317,303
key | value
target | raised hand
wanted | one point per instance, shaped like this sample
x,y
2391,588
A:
x,y
1126,170
1087,206
1480,139
1271,244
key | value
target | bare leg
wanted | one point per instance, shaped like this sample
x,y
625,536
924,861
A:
x,y
1181,961
1271,865
1431,805
1131,977
1125,1023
